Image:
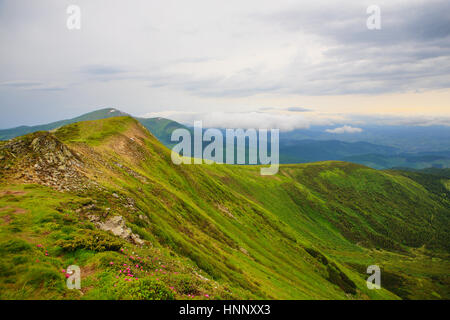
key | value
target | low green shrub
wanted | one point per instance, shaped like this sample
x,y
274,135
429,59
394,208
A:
x,y
20,260
148,289
91,240
6,269
103,259
14,246
337,277
186,284
43,276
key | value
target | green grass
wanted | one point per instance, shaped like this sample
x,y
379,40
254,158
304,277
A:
x,y
92,132
307,233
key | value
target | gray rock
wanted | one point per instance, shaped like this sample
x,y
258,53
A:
x,y
116,225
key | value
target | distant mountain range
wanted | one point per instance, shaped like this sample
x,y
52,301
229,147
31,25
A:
x,y
405,138
377,147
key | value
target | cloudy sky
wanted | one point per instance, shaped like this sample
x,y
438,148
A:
x,y
248,63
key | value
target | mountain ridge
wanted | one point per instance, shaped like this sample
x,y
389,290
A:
x,y
291,150
304,233
154,123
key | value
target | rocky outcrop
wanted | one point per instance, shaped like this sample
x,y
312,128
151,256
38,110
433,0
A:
x,y
117,226
41,158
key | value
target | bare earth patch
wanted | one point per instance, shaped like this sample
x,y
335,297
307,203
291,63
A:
x,y
6,219
11,192
14,210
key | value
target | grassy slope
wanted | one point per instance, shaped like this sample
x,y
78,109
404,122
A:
x,y
308,232
95,115
161,128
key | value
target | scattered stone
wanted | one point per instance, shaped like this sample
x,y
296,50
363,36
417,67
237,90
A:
x,y
144,218
225,210
201,277
243,251
117,226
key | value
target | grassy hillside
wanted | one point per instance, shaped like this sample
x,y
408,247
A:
x,y
316,150
159,127
7,134
208,231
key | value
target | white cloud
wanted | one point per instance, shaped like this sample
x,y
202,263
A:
x,y
344,129
271,118
258,120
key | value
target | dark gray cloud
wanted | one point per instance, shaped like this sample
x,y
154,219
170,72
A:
x,y
49,89
101,70
298,109
411,21
410,52
20,84
31,86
